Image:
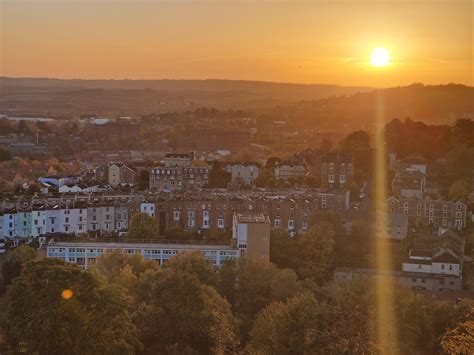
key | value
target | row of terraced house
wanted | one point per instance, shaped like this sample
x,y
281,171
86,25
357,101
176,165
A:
x,y
197,211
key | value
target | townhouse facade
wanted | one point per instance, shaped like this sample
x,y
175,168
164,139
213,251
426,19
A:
x,y
198,211
243,173
177,178
337,170
429,211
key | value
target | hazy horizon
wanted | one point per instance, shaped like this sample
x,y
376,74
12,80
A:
x,y
288,42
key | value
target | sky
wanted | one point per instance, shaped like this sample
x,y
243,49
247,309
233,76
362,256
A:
x,y
327,42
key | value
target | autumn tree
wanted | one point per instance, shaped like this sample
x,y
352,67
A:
x,y
218,177
460,339
459,190
57,308
287,328
16,260
122,269
179,314
283,248
195,264
142,226
315,250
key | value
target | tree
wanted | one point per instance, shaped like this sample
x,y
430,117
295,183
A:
x,y
463,131
219,178
15,262
142,226
283,248
287,328
110,265
315,250
284,285
195,264
34,189
460,339
272,162
5,154
256,288
181,315
459,190
143,180
58,308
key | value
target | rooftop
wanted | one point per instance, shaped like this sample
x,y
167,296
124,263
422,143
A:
x,y
257,218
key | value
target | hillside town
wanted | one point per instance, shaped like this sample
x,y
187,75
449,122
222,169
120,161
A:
x,y
194,199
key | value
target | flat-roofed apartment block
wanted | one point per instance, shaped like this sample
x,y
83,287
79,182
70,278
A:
x,y
85,253
252,235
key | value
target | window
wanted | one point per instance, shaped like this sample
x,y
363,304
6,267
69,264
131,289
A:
x,y
277,223
304,225
220,223
291,224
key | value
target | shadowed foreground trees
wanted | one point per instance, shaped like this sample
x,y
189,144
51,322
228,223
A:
x,y
179,314
94,320
15,262
188,306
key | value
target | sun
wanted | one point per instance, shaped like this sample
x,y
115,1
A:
x,y
380,57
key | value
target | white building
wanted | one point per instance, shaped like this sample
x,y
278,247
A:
x,y
86,253
38,226
148,208
443,256
243,173
52,219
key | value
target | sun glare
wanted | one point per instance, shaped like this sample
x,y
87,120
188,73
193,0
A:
x,y
380,57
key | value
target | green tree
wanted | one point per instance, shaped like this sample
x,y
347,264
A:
x,y
218,178
315,250
284,285
181,315
287,328
16,260
143,180
117,266
142,226
195,264
283,249
57,308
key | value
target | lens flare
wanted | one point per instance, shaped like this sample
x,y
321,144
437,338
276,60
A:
x,y
386,322
67,294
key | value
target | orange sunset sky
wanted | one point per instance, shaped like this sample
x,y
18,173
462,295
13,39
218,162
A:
x,y
290,41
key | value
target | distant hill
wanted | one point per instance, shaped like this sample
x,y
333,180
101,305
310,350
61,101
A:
x,y
152,96
433,104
